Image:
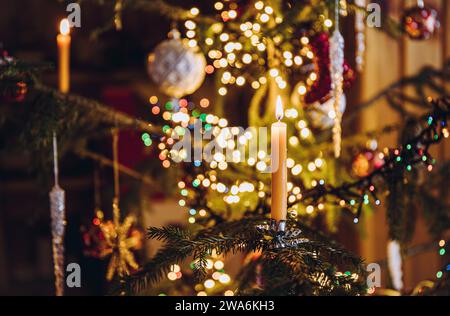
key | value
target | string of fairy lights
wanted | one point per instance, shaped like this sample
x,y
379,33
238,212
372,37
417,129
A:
x,y
226,139
185,114
250,192
217,282
251,55
208,177
236,51
413,153
442,252
231,193
352,195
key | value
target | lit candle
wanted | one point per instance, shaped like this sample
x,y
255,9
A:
x,y
63,40
279,169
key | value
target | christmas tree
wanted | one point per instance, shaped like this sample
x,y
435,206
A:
x,y
273,194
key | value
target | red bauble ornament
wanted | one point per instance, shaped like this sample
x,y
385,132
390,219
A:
x,y
321,88
420,23
12,89
15,92
94,243
4,56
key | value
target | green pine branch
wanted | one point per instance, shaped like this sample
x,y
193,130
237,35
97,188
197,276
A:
x,y
307,261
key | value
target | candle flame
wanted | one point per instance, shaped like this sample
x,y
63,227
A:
x,y
64,27
279,109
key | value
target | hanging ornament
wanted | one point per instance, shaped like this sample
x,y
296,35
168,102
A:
x,y
12,89
177,69
58,218
319,100
118,15
120,238
378,160
394,257
360,30
361,165
4,56
321,115
343,7
366,162
337,80
420,22
94,242
320,90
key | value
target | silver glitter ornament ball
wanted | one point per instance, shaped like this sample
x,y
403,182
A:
x,y
177,69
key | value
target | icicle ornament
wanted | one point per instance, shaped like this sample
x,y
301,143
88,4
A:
x,y
395,264
337,79
58,218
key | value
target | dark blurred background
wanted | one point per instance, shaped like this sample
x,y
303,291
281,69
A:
x,y
112,69
106,65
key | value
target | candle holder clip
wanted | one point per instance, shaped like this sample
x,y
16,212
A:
x,y
280,235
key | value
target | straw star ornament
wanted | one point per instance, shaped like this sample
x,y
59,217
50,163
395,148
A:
x,y
118,235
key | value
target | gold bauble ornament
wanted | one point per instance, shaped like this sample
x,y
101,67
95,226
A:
x,y
361,165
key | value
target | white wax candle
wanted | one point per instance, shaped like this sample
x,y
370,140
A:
x,y
63,41
279,169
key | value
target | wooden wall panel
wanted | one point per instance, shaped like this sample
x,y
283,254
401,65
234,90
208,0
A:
x,y
383,66
387,61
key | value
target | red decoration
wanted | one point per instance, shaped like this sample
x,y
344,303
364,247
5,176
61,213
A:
x,y
4,57
14,91
420,23
321,88
130,148
94,241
